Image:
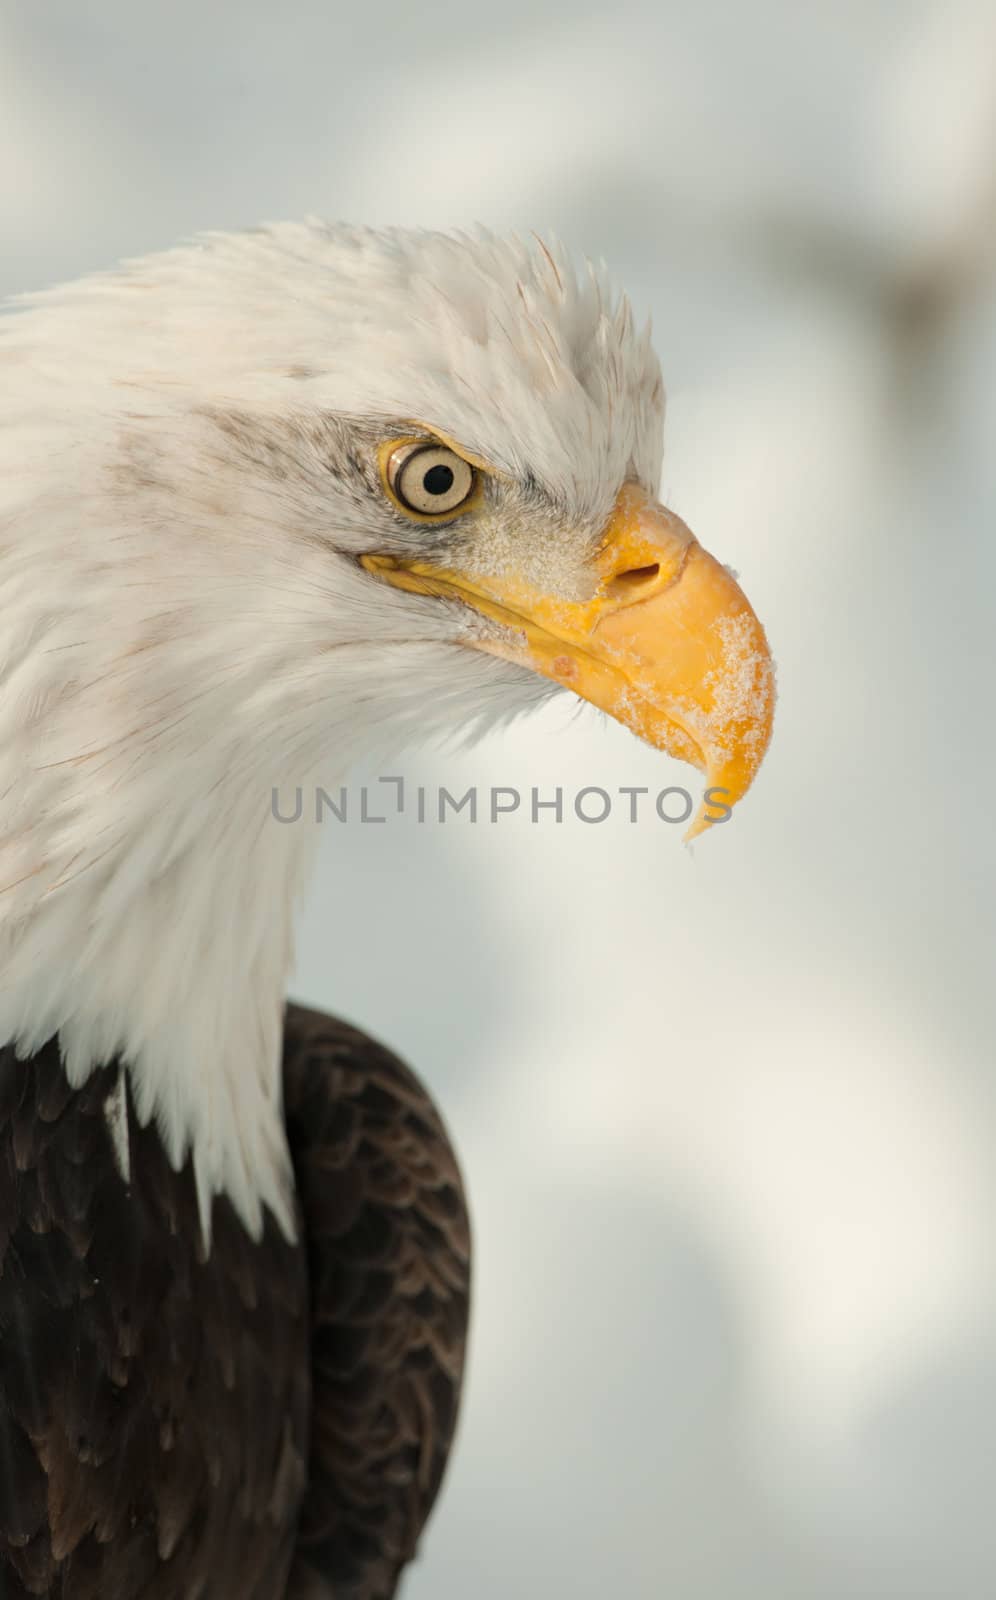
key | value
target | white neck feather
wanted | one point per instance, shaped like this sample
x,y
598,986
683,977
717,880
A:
x,y
147,895
166,942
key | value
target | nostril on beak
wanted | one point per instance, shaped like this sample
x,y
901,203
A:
x,y
635,578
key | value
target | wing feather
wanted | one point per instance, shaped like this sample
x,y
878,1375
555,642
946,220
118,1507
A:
x,y
389,1261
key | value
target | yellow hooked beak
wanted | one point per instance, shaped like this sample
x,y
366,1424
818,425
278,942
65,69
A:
x,y
668,644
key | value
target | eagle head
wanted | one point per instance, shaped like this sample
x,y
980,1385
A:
x,y
270,502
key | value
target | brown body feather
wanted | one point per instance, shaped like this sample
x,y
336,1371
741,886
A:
x,y
270,1422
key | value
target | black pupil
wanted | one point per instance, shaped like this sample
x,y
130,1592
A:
x,y
438,480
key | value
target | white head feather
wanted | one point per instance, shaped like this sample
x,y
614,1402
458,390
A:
x,y
185,625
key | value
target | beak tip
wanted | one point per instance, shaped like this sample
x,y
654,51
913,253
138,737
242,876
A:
x,y
696,829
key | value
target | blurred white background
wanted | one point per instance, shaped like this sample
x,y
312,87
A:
x,y
728,1116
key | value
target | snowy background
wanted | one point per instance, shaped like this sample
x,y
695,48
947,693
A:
x,y
729,1116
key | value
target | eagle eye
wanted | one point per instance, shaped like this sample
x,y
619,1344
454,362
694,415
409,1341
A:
x,y
429,479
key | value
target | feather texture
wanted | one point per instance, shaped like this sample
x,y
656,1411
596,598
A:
x,y
261,1421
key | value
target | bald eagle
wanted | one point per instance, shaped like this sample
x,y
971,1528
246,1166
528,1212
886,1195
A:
x,y
271,502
